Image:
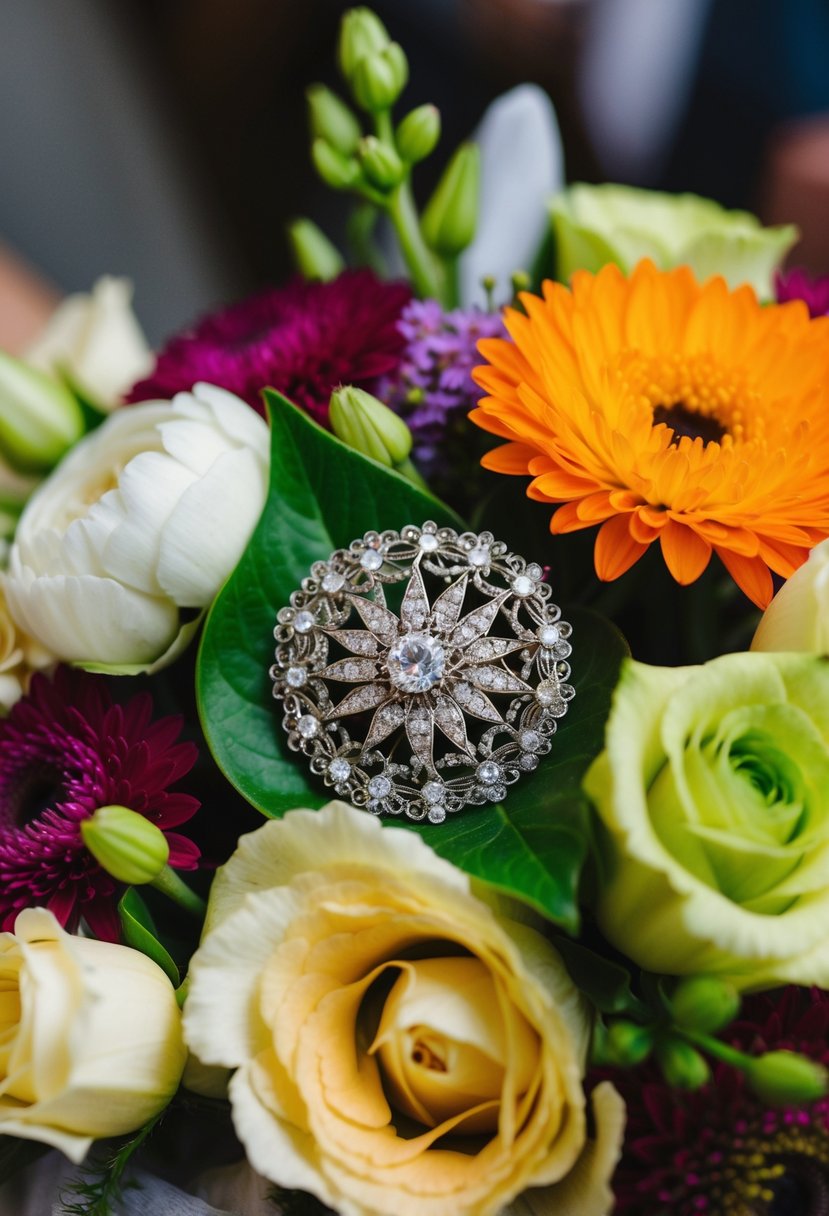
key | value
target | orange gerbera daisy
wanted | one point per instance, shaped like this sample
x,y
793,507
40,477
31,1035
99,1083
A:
x,y
664,409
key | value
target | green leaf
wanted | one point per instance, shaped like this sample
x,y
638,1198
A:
x,y
604,982
322,496
534,845
140,933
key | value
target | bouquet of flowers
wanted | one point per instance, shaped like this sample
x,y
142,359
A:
x,y
404,807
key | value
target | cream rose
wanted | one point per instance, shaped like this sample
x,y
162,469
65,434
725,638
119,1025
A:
x,y
95,342
20,657
90,1036
146,516
398,1045
713,793
798,616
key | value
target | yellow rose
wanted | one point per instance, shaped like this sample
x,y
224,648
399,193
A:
x,y
90,1036
398,1045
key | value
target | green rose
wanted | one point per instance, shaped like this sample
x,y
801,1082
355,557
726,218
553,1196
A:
x,y
713,794
594,225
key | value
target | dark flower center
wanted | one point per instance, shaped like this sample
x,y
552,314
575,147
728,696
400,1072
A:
x,y
683,421
803,1190
35,790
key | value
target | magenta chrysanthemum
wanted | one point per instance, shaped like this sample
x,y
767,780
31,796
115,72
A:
x,y
65,750
798,284
433,390
304,339
719,1151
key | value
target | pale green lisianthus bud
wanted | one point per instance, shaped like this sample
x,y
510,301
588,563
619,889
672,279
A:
x,y
368,426
713,796
627,1043
331,120
361,33
39,418
314,254
381,165
784,1078
594,225
337,171
682,1065
451,214
128,846
418,133
704,1003
379,79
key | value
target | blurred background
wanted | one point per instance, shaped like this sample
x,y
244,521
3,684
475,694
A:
x,y
166,140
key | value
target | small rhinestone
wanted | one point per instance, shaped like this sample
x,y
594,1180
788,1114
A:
x,y
333,581
527,762
522,585
371,560
549,635
428,542
295,677
375,807
379,787
437,814
479,556
308,726
339,769
489,772
433,791
304,622
547,693
530,739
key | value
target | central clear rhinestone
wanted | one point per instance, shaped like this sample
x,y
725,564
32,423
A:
x,y
416,662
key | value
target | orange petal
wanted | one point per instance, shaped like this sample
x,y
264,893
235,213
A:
x,y
510,458
616,550
686,554
559,484
566,519
751,575
642,530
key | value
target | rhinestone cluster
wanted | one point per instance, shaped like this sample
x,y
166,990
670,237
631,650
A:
x,y
393,684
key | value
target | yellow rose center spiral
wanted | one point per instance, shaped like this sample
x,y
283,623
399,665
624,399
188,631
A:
x,y
451,1046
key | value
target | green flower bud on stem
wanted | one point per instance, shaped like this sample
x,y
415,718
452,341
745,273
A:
x,y
39,418
418,133
368,426
627,1043
704,1002
682,1065
784,1078
378,80
380,163
127,845
337,171
330,119
451,215
361,33
315,256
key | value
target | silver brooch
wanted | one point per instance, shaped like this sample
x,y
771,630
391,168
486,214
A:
x,y
422,671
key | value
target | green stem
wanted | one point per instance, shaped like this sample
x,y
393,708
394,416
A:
x,y
169,883
714,1047
452,290
417,256
182,990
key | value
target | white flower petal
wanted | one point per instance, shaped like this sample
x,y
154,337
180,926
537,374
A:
x,y
522,167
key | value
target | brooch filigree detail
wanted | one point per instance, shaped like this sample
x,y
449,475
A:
x,y
422,671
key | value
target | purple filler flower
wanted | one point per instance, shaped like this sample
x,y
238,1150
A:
x,y
66,750
798,284
720,1151
304,339
434,390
